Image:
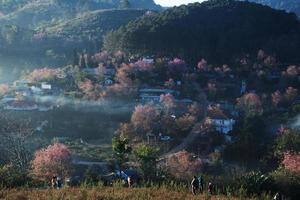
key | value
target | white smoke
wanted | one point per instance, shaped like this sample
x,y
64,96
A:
x,y
296,122
102,105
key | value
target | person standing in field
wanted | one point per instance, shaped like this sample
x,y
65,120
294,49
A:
x,y
195,185
201,184
210,188
129,181
54,182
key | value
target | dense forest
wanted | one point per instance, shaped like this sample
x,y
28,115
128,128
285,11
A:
x,y
217,30
288,5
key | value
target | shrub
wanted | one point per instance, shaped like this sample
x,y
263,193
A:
x,y
287,183
256,183
10,178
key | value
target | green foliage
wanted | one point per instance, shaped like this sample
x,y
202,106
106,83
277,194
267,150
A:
x,y
147,155
86,31
7,6
217,30
124,4
249,140
121,150
10,177
288,142
255,183
91,176
288,5
287,183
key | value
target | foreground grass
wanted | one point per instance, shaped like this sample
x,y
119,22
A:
x,y
104,193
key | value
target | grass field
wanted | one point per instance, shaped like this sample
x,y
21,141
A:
x,y
106,193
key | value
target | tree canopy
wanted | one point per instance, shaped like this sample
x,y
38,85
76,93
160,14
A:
x,y
217,30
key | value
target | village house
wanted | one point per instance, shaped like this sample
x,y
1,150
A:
x,y
148,60
91,71
109,71
153,95
227,107
218,120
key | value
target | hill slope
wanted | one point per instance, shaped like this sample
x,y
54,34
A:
x,y
84,32
218,30
288,5
88,29
32,13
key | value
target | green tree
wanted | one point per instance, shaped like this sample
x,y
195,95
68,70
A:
x,y
287,142
121,150
91,176
249,140
125,4
146,156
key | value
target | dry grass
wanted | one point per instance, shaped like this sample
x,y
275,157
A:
x,y
104,193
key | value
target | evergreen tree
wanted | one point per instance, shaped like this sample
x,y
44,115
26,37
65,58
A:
x,y
124,4
121,150
147,156
75,58
82,61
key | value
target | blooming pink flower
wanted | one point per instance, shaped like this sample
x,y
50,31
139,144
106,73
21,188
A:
x,y
55,160
291,161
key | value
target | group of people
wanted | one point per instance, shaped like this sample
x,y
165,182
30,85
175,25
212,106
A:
x,y
198,184
56,182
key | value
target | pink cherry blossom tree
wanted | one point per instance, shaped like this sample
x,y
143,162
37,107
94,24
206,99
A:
x,y
177,68
44,74
202,65
276,98
290,94
4,88
141,65
145,118
292,71
168,102
55,160
183,165
250,103
291,161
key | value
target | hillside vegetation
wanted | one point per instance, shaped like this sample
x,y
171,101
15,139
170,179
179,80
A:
x,y
85,31
34,13
89,28
217,30
288,5
37,26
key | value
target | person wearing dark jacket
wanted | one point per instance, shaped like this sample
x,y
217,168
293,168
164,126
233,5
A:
x,y
201,183
195,185
210,188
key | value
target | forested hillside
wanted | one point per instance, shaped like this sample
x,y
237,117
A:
x,y
61,25
288,5
32,13
83,32
87,30
217,30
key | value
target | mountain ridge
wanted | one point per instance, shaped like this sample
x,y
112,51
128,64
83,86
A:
x,y
287,5
208,30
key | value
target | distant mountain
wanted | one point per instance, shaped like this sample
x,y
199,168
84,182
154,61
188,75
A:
x,y
219,30
288,5
43,25
88,29
85,31
33,13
